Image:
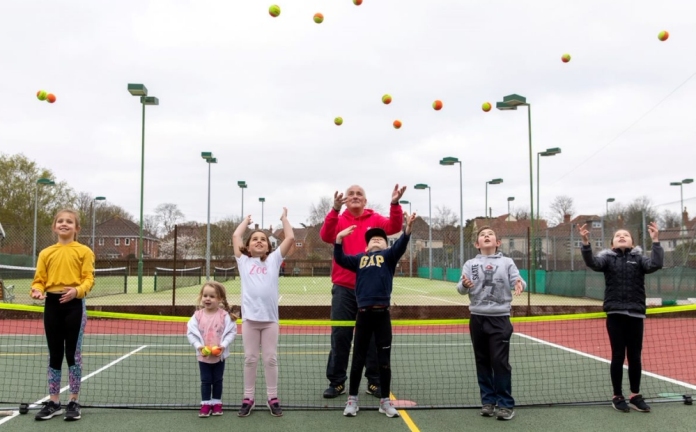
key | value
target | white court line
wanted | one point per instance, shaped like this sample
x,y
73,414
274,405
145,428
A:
x,y
411,289
6,419
447,301
603,360
85,378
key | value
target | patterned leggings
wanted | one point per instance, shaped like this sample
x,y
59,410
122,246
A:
x,y
64,324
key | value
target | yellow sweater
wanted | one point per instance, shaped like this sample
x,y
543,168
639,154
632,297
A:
x,y
60,266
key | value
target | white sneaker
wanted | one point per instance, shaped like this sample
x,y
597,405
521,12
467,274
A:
x,y
351,407
386,407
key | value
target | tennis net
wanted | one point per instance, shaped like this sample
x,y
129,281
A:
x,y
166,278
107,281
224,274
146,361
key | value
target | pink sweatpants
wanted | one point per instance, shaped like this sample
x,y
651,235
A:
x,y
264,336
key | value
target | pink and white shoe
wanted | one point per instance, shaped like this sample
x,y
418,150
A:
x,y
217,409
205,410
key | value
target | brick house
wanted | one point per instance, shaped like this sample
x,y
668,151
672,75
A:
x,y
118,238
512,234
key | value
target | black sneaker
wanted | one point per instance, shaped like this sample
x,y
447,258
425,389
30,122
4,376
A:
x,y
274,406
638,403
334,391
247,406
374,390
49,410
72,413
619,404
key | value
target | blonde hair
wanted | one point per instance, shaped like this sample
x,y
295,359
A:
x,y
220,293
75,213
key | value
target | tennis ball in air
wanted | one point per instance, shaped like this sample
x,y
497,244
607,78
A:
x,y
663,35
338,121
397,124
386,99
437,105
565,58
318,18
216,350
486,106
41,95
51,98
357,2
205,351
274,10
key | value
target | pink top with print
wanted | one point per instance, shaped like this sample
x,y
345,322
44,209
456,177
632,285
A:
x,y
211,327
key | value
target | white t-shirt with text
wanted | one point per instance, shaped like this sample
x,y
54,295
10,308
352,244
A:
x,y
260,286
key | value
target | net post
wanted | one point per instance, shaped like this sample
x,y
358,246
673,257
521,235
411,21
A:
x,y
176,235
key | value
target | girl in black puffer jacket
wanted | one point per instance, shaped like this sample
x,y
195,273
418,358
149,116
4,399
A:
x,y
624,269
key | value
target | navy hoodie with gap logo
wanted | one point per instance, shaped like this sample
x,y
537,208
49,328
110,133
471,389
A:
x,y
374,271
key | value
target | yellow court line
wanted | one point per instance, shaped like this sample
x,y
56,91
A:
x,y
405,417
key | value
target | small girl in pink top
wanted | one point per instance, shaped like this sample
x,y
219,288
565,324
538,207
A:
x,y
211,331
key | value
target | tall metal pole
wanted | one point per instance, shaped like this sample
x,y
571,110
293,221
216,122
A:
x,y
485,209
36,213
410,249
531,196
537,186
262,203
461,218
142,192
430,235
243,204
94,218
207,251
681,209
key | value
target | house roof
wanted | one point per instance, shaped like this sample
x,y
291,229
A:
x,y
508,228
119,227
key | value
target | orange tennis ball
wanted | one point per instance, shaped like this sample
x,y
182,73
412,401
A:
x,y
274,10
338,121
216,350
41,95
397,124
386,99
51,98
663,35
437,105
565,58
486,106
318,18
357,2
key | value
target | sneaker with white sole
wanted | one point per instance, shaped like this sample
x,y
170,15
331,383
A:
x,y
387,407
73,412
505,414
352,408
619,404
247,406
50,410
638,403
488,410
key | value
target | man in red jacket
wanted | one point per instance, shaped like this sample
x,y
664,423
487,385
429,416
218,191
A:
x,y
344,306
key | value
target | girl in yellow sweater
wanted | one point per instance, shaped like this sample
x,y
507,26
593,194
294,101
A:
x,y
64,276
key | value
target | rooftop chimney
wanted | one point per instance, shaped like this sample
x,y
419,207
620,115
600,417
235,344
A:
x,y
685,217
256,226
566,218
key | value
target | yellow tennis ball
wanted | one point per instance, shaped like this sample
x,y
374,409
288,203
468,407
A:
x,y
663,35
205,351
486,106
41,95
318,18
274,10
338,121
386,99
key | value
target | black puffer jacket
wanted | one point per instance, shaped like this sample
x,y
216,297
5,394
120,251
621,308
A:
x,y
624,275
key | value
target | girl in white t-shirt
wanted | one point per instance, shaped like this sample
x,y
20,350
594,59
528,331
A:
x,y
259,267
211,331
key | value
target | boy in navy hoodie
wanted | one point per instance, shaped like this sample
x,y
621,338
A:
x,y
488,279
373,287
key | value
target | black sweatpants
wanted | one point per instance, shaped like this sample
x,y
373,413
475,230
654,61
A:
x,y
490,336
64,324
626,339
372,322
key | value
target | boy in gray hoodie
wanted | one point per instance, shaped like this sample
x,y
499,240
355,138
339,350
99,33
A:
x,y
489,279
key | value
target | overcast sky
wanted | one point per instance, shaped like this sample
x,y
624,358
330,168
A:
x,y
261,93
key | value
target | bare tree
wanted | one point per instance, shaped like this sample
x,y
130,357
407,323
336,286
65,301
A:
x,y
520,213
669,219
151,224
318,212
168,215
561,206
378,208
444,217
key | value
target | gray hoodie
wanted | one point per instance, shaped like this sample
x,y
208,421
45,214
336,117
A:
x,y
494,277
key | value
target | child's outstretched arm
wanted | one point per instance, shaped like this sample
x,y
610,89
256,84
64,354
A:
x,y
657,254
593,262
289,234
238,236
395,252
349,262
516,282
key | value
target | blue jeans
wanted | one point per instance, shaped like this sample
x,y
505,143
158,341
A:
x,y
490,336
344,307
211,379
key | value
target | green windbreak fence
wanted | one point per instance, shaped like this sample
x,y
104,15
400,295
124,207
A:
x,y
677,283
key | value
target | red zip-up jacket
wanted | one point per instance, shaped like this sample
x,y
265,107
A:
x,y
355,242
